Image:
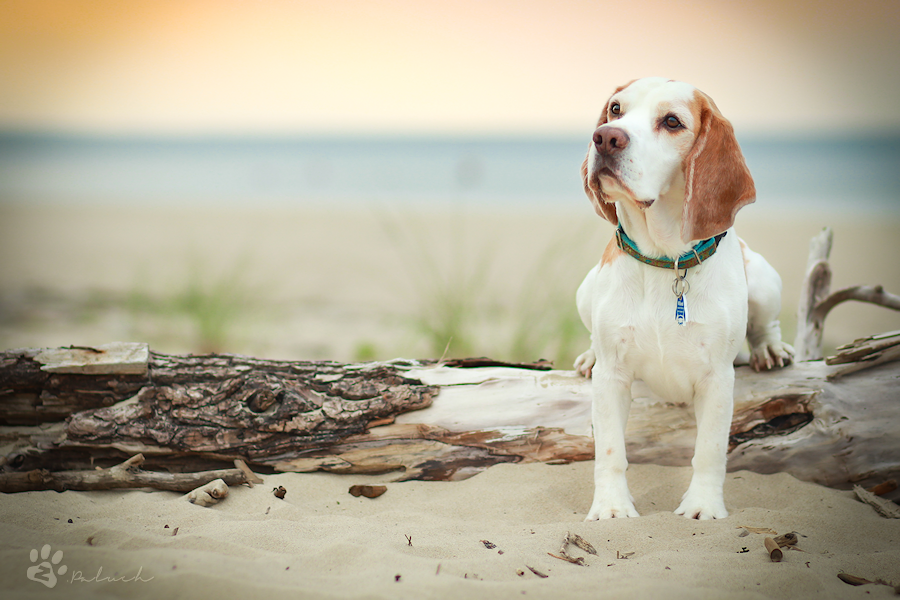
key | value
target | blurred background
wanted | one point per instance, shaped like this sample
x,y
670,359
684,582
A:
x,y
357,180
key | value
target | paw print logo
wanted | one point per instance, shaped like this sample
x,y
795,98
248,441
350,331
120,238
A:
x,y
46,571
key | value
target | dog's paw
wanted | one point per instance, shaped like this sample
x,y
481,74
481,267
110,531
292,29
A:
x,y
585,362
769,355
702,506
618,511
609,504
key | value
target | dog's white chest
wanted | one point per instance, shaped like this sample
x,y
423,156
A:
x,y
637,333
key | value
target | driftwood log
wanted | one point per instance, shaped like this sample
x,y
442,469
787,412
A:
x,y
834,421
433,421
191,411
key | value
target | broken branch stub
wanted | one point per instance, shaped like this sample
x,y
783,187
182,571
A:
x,y
816,299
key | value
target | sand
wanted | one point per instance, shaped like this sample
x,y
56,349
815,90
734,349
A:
x,y
425,540
331,283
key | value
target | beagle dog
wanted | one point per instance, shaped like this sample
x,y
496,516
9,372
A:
x,y
676,291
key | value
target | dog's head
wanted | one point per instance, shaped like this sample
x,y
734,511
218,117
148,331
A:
x,y
655,134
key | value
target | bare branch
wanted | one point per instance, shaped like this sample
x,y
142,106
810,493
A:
x,y
124,475
873,294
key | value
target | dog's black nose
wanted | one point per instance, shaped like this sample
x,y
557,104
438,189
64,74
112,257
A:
x,y
610,140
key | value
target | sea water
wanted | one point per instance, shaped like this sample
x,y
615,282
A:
x,y
840,174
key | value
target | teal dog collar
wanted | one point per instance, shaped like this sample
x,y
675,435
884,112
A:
x,y
692,258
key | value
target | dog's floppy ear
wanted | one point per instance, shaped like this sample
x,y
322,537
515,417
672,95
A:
x,y
717,180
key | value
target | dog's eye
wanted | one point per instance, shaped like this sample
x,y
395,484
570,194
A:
x,y
615,108
672,122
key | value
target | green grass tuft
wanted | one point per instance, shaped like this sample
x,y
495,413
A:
x,y
204,308
460,313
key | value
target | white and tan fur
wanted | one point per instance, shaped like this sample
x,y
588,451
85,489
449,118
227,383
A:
x,y
664,163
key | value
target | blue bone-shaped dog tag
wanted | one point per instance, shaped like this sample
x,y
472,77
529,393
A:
x,y
681,315
680,288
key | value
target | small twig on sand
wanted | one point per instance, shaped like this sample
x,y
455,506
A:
x,y
787,539
775,553
854,580
883,507
581,543
567,558
574,538
538,573
750,530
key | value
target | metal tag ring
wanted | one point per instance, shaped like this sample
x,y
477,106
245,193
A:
x,y
680,290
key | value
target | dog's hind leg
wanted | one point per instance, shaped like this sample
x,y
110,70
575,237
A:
x,y
767,350
583,300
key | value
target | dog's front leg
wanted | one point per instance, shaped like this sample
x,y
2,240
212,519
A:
x,y
611,402
713,406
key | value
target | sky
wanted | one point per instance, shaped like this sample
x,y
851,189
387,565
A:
x,y
411,67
